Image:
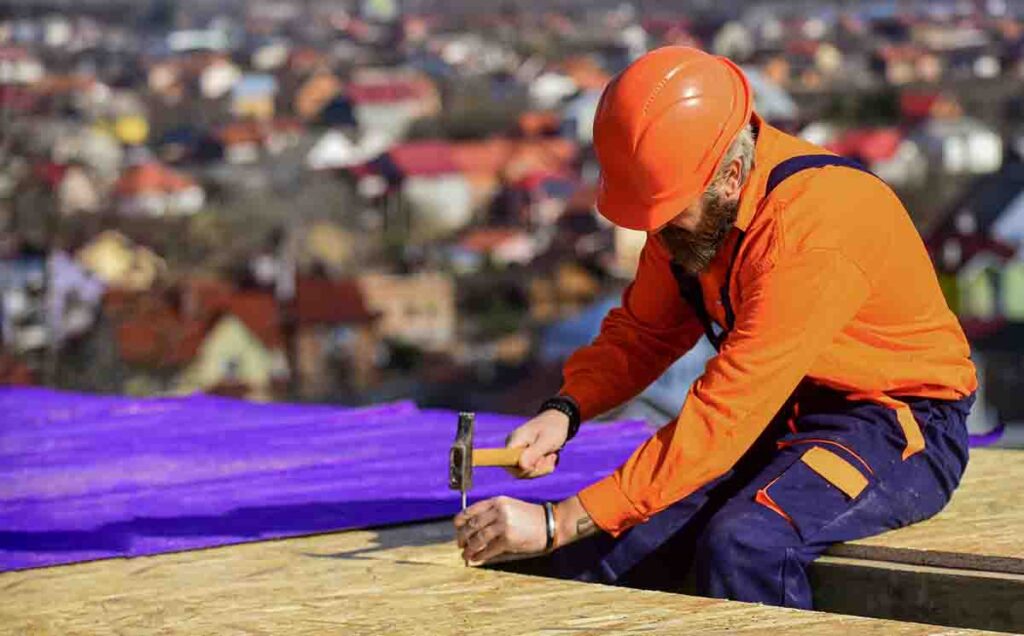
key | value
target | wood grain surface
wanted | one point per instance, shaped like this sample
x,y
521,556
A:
x,y
400,581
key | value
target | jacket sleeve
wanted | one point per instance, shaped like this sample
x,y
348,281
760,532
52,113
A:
x,y
652,328
788,313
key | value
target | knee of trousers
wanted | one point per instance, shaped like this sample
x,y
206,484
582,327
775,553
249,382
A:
x,y
744,537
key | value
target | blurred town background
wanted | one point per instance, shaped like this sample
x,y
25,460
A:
x,y
362,201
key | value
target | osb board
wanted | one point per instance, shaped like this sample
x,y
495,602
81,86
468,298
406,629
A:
x,y
409,582
982,528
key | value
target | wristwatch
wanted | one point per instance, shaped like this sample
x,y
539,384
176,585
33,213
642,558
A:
x,y
567,405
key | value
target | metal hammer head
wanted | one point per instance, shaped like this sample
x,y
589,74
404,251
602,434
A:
x,y
460,460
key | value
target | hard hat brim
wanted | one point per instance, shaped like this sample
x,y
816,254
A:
x,y
624,211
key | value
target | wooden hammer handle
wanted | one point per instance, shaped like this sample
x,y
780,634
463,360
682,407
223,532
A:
x,y
496,456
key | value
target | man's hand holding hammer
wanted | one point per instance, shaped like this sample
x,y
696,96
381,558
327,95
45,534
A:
x,y
505,529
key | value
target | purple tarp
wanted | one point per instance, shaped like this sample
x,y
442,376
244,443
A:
x,y
88,477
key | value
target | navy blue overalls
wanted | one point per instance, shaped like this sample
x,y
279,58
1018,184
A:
x,y
750,534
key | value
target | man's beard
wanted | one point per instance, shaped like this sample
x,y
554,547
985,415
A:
x,y
694,251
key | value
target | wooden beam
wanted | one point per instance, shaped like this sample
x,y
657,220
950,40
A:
x,y
921,593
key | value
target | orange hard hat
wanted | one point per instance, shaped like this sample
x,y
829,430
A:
x,y
661,129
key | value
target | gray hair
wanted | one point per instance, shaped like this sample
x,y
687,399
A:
x,y
742,148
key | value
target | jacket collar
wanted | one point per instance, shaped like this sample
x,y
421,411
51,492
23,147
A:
x,y
769,151
766,156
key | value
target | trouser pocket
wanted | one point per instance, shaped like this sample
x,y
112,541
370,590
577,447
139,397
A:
x,y
818,487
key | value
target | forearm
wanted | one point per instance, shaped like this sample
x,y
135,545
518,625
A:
x,y
572,522
625,359
641,338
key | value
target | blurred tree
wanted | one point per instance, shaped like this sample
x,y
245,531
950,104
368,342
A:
x,y
403,356
92,363
473,109
879,107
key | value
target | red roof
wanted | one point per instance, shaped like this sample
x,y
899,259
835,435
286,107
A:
x,y
325,301
424,158
486,239
305,58
900,53
159,338
514,158
242,132
288,125
553,154
536,122
50,173
13,53
918,104
803,48
387,92
979,328
868,144
151,177
207,299
120,302
17,98
14,372
202,297
64,84
116,299
487,156
258,311
970,246
156,335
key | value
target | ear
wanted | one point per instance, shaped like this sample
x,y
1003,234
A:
x,y
732,182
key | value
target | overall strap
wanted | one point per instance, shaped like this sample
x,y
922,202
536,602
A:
x,y
689,284
689,289
793,165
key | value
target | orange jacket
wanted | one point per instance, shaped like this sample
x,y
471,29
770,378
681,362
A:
x,y
831,283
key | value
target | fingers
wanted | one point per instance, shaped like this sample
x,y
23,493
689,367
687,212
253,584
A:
x,y
533,468
466,534
541,438
525,435
522,437
501,528
481,529
545,466
541,456
495,546
528,460
474,510
486,543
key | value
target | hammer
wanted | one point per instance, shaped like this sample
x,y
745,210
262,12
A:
x,y
463,457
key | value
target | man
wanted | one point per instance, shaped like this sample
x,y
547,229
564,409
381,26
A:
x,y
835,408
